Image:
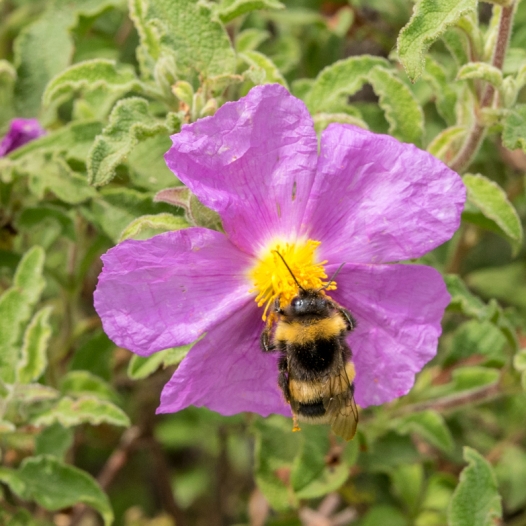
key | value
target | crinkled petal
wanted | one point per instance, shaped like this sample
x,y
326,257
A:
x,y
377,200
227,372
21,131
168,290
398,309
253,162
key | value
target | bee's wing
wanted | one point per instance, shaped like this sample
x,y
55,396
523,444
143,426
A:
x,y
340,407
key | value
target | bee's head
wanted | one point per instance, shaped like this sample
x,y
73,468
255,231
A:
x,y
307,303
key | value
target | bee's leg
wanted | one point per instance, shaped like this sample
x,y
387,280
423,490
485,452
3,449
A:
x,y
266,342
283,380
349,320
295,425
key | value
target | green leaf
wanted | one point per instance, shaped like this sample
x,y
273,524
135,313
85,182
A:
x,y
196,213
54,440
402,111
33,359
514,132
55,485
69,412
16,305
431,426
519,360
140,367
227,10
57,176
185,31
311,476
492,201
263,70
73,140
31,393
341,79
130,122
408,482
444,145
78,384
473,377
275,448
476,501
477,338
32,216
249,39
147,167
118,207
7,84
446,96
322,120
45,48
430,19
91,75
145,227
481,71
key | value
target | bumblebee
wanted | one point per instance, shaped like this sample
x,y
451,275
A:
x,y
315,369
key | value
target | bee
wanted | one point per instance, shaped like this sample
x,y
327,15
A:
x,y
315,369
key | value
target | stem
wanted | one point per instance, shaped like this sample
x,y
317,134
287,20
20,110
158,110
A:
x,y
455,401
478,130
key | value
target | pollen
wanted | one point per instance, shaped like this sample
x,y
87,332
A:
x,y
272,279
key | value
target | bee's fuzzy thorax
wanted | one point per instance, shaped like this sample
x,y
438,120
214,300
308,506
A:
x,y
296,332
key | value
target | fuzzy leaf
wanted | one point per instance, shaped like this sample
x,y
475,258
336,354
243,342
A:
x,y
482,71
130,122
402,111
462,298
45,48
311,477
340,79
476,501
69,412
492,201
446,96
118,207
140,367
16,305
263,70
430,19
250,39
91,75
54,440
519,360
514,133
183,30
55,485
7,85
73,140
147,226
227,10
77,384
33,359
431,426
442,146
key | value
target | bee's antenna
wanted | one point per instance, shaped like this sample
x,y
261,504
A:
x,y
333,277
288,268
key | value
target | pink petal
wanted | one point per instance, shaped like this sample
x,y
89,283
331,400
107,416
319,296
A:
x,y
378,200
227,371
398,309
253,162
168,290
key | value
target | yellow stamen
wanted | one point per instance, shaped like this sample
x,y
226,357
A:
x,y
273,280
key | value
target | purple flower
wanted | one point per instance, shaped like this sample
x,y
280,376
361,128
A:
x,y
21,131
366,200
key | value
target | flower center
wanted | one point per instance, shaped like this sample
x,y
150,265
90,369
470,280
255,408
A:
x,y
272,279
